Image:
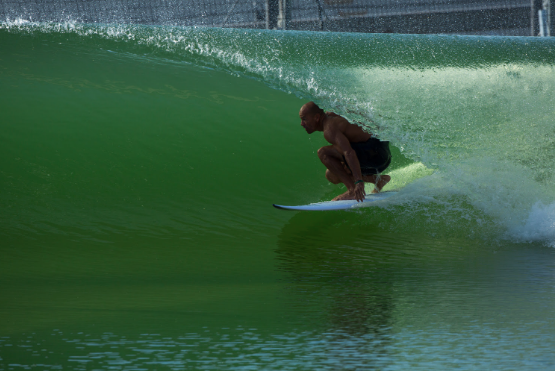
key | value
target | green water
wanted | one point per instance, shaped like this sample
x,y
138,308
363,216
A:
x,y
138,166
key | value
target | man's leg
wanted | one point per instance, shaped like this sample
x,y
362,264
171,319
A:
x,y
336,172
331,177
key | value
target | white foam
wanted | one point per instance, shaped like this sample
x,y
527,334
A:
x,y
539,227
406,175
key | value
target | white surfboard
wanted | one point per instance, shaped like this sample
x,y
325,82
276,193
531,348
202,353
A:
x,y
339,205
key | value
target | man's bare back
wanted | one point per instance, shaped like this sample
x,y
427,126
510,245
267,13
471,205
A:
x,y
340,159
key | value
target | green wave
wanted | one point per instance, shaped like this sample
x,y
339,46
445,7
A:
x,y
164,130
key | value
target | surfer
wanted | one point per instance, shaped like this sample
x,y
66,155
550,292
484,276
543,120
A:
x,y
354,156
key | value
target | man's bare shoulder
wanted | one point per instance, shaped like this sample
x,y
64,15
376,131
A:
x,y
335,128
336,122
339,124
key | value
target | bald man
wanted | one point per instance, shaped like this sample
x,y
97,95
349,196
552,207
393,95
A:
x,y
354,156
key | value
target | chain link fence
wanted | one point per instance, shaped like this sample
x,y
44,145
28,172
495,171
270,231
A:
x,y
495,17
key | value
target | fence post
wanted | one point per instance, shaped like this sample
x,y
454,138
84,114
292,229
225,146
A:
x,y
284,14
547,9
272,13
535,5
544,19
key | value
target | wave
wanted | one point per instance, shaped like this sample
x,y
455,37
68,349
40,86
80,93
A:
x,y
472,117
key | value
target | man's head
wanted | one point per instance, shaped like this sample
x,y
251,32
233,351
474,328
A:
x,y
311,116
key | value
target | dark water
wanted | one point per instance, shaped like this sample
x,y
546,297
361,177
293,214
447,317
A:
x,y
139,165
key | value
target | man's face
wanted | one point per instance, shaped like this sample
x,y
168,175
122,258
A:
x,y
308,121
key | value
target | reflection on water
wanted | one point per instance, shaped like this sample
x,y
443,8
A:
x,y
415,301
222,349
348,296
527,346
331,291
339,264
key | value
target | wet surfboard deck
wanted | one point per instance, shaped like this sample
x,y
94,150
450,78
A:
x,y
339,205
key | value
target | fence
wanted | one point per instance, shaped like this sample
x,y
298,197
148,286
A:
x,y
495,17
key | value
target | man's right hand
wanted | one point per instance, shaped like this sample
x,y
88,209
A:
x,y
360,193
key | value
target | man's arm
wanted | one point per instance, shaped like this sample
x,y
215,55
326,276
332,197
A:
x,y
337,137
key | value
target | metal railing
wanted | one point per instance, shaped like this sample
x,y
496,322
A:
x,y
502,17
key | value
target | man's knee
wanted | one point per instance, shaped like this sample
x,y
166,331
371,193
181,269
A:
x,y
332,178
324,153
321,153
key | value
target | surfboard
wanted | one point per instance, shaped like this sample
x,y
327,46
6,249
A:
x,y
339,205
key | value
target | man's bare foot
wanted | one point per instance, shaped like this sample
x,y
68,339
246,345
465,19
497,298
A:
x,y
345,196
384,179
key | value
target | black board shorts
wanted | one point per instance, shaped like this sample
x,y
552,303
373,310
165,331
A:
x,y
374,156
